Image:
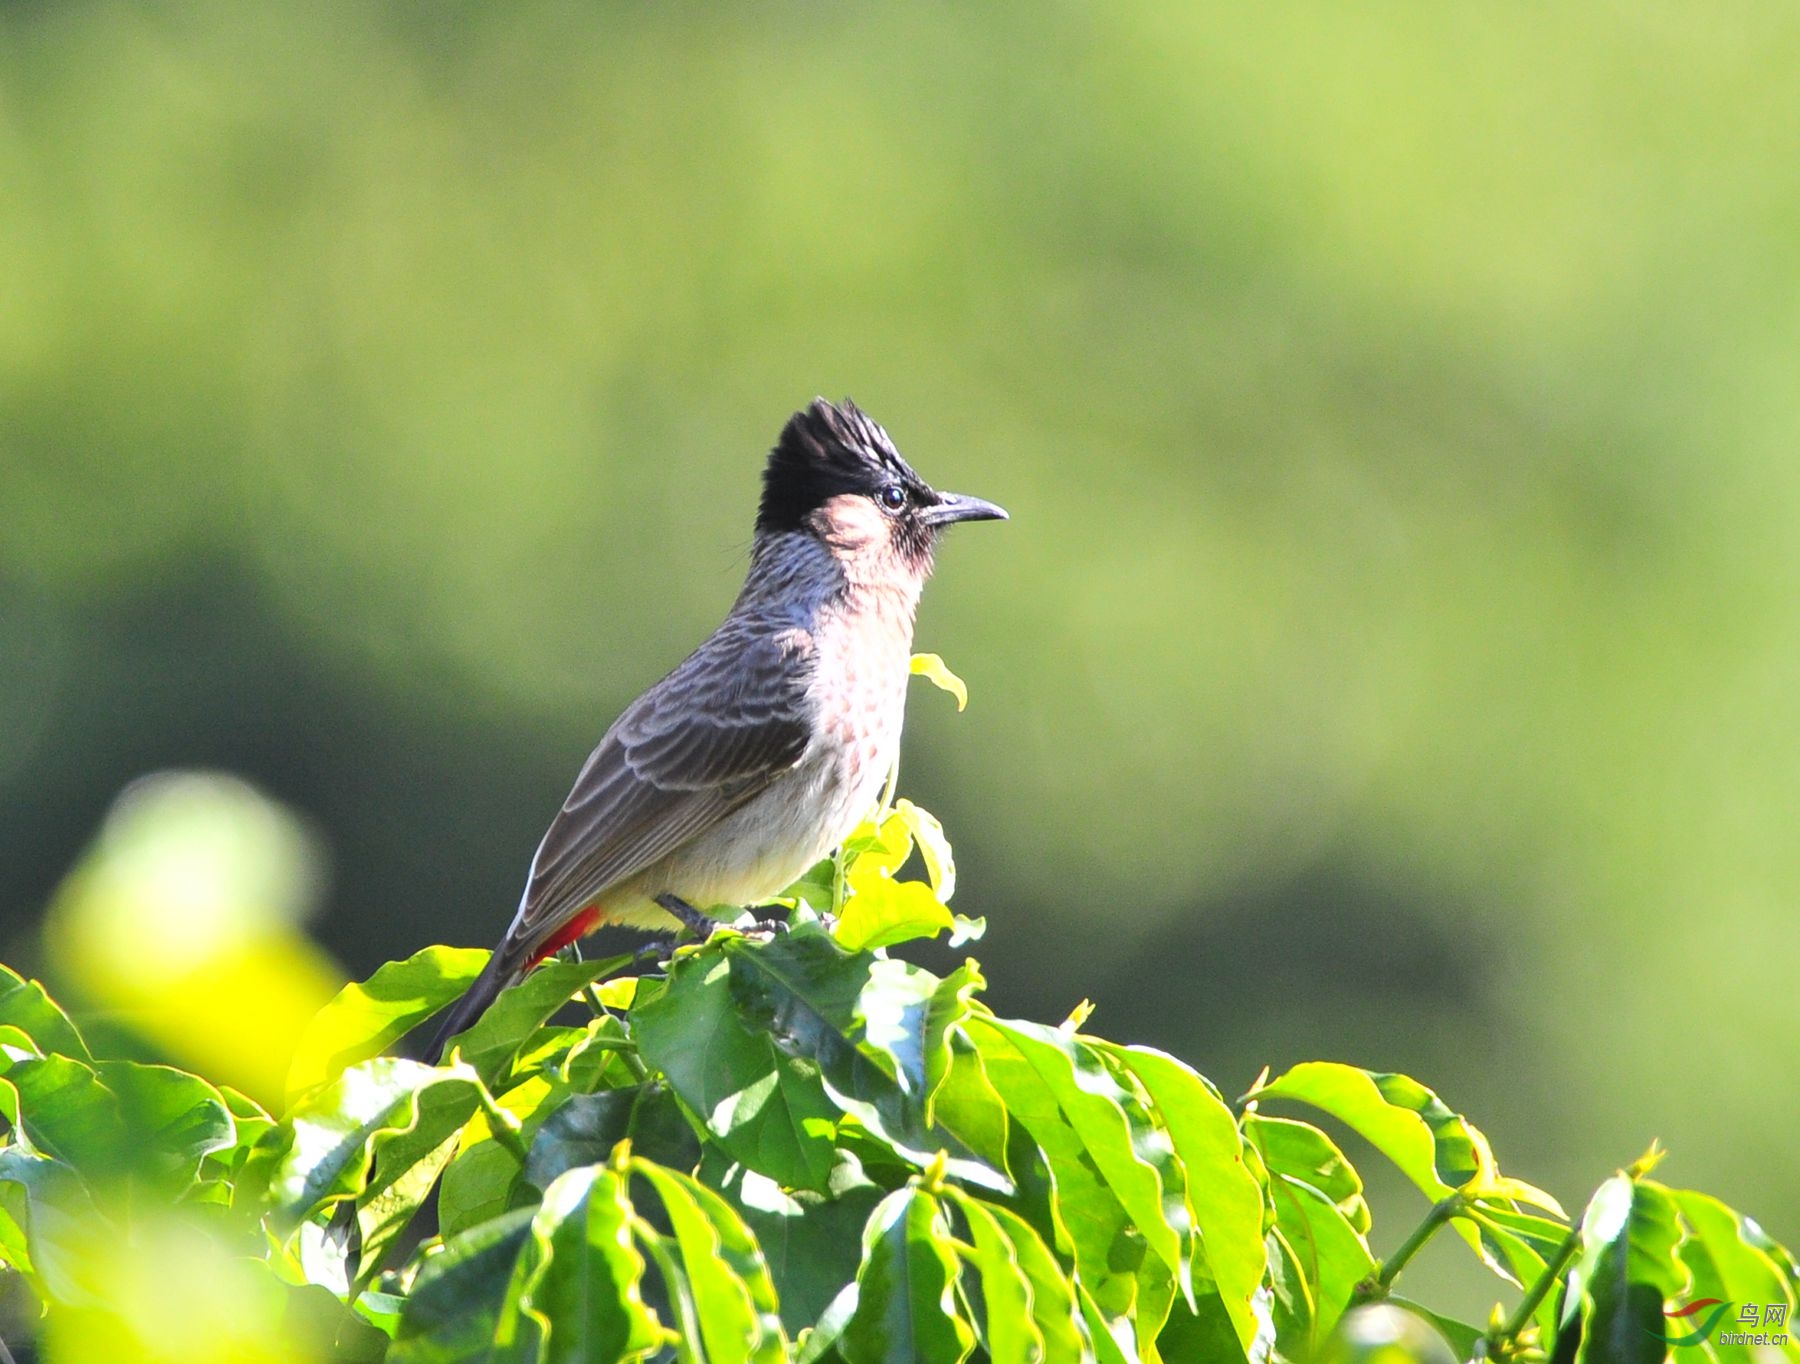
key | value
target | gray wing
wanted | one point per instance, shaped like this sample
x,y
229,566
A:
x,y
696,746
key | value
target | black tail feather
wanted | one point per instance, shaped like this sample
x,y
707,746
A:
x,y
500,972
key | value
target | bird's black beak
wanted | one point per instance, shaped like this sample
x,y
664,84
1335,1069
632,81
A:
x,y
951,507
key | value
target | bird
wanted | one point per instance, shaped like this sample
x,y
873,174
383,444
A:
x,y
764,748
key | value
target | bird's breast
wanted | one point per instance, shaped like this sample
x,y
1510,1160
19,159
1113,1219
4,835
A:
x,y
857,698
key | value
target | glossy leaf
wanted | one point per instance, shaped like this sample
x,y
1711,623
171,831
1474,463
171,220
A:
x,y
1086,1213
811,1242
323,1150
1461,1336
173,1121
492,1042
367,1017
1434,1147
760,1100
882,911
453,1309
584,1129
763,1040
1009,1332
734,1300
1302,1152
50,1230
1724,1260
1330,1253
1226,1199
67,1113
587,1284
25,1005
965,1101
1626,1271
408,1157
951,1005
1092,1104
1030,1312
933,845
1110,1341
906,1308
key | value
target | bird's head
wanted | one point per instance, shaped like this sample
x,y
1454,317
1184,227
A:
x,y
834,474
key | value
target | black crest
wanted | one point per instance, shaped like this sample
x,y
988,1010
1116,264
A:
x,y
827,449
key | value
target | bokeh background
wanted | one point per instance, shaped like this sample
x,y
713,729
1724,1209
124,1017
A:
x,y
1395,653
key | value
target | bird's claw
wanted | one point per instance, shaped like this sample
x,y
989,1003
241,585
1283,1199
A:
x,y
765,928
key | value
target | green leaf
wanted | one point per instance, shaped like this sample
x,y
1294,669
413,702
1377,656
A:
x,y
1093,1105
1460,1334
965,1102
1328,1250
174,1121
66,1112
1525,1243
1226,1199
1009,1331
906,1307
734,1298
1030,1310
1627,1269
891,1023
1388,1332
1406,1122
1088,1219
408,1157
1302,1152
453,1310
934,847
677,1293
481,1182
881,911
25,1005
250,1118
764,1042
933,669
1724,1260
586,1286
584,1128
1206,1332
1437,1149
760,1100
49,1229
323,1150
1110,1341
879,847
369,1016
492,1042
811,1242
951,1005
1293,1305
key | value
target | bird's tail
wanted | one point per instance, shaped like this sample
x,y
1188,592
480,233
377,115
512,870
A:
x,y
502,970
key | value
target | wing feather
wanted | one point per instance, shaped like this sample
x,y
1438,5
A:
x,y
711,735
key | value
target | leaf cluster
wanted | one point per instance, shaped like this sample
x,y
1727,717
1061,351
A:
x,y
801,1147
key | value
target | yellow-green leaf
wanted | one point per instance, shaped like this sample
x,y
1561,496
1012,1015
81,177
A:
x,y
933,670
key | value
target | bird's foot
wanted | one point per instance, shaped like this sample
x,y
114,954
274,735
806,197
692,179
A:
x,y
699,924
765,928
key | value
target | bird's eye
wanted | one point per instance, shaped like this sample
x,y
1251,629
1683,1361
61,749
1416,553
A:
x,y
893,497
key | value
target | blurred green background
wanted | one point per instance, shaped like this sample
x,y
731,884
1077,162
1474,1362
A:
x,y
1394,653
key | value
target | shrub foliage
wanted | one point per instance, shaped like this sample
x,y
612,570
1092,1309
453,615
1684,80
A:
x,y
801,1147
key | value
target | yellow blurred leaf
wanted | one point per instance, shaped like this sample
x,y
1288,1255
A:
x,y
933,669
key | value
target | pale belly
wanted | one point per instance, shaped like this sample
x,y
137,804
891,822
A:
x,y
764,847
